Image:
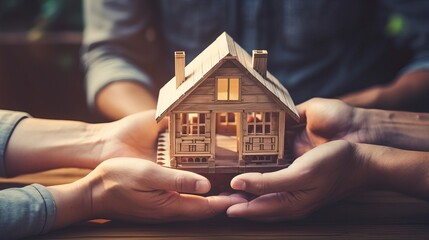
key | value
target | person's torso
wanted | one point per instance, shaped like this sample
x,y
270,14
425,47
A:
x,y
315,48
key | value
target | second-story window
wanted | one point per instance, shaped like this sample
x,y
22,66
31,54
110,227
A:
x,y
228,89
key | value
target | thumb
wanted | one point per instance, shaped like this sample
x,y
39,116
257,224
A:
x,y
302,110
264,183
164,178
308,106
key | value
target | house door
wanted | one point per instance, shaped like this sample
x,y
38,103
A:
x,y
227,129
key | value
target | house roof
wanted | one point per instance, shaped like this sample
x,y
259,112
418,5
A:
x,y
224,47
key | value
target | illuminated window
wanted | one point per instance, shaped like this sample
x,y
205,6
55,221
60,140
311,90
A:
x,y
193,123
228,89
259,123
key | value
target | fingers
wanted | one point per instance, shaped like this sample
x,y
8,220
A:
x,y
295,176
191,207
312,104
302,143
162,178
299,175
302,108
263,183
262,208
268,207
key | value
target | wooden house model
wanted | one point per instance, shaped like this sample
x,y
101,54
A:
x,y
227,113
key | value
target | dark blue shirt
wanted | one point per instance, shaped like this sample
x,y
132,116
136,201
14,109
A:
x,y
319,48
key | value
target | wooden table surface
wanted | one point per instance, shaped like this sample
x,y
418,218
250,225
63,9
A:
x,y
371,215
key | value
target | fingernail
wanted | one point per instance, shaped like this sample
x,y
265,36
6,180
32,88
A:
x,y
239,185
202,186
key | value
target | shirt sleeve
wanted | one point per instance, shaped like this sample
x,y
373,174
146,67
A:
x,y
26,211
119,38
8,121
408,23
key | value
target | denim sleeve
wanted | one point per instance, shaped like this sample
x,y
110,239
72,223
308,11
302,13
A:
x,y
408,23
118,40
8,122
26,211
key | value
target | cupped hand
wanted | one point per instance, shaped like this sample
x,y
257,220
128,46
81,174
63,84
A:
x,y
133,136
323,175
327,120
141,191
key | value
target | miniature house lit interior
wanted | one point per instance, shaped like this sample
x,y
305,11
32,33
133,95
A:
x,y
227,113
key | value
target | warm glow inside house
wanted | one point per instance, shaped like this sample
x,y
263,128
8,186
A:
x,y
226,112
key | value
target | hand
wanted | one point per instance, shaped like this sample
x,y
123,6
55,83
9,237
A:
x,y
323,175
142,191
329,119
132,136
131,189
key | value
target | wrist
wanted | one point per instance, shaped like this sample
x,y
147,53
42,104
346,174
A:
x,y
103,189
397,170
373,175
79,145
384,165
105,142
73,203
95,140
367,124
95,191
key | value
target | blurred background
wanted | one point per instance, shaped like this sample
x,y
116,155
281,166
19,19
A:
x,y
40,69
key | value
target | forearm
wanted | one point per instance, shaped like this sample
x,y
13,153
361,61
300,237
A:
x,y
73,202
117,58
409,91
123,98
397,170
38,144
405,130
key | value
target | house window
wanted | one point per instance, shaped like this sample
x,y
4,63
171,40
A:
x,y
259,123
193,123
226,118
228,89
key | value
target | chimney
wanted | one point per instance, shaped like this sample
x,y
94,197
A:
x,y
259,61
179,64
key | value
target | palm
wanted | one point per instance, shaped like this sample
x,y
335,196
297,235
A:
x,y
329,174
138,190
142,191
133,136
321,176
